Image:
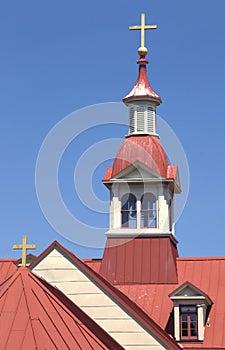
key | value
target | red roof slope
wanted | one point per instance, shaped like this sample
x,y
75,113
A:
x,y
32,317
7,268
207,274
94,264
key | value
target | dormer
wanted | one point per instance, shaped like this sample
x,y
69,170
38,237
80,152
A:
x,y
191,307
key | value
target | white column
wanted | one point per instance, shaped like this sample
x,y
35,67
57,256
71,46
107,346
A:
x,y
176,322
138,205
201,317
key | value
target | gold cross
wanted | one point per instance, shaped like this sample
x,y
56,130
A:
x,y
24,246
142,28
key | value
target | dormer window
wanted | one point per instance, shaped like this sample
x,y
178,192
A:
x,y
190,310
129,211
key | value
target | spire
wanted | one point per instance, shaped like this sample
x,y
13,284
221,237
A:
x,y
142,89
142,99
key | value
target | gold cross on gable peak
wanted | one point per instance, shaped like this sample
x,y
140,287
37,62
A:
x,y
24,246
142,49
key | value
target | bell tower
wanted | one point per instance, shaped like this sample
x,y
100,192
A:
x,y
141,246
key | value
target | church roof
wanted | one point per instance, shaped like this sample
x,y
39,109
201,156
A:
x,y
208,275
7,268
34,315
124,301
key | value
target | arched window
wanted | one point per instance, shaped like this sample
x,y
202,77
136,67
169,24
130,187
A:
x,y
129,211
148,210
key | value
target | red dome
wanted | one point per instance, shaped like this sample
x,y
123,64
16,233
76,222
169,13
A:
x,y
146,149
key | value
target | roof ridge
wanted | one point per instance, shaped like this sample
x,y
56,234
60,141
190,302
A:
x,y
201,258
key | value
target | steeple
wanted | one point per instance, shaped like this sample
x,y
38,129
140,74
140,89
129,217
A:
x,y
142,185
142,100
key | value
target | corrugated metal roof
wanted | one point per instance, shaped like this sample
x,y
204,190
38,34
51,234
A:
x,y
7,268
93,263
33,317
207,274
140,260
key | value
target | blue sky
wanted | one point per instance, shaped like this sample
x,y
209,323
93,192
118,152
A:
x,y
57,57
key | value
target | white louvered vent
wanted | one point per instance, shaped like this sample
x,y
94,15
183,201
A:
x,y
140,119
132,121
151,120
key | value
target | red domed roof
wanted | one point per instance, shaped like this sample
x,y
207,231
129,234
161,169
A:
x,y
145,149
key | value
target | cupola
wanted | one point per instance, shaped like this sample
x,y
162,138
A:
x,y
142,185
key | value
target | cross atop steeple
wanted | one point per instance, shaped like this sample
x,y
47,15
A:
x,y
142,51
24,246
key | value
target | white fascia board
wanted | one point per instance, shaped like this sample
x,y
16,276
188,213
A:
x,y
138,180
133,233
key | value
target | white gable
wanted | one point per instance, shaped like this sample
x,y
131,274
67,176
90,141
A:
x,y
138,171
189,291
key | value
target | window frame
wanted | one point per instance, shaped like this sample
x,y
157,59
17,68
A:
x,y
189,321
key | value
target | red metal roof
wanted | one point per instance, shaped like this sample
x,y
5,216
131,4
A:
x,y
145,149
123,300
7,268
94,264
139,260
142,88
33,316
207,274
171,171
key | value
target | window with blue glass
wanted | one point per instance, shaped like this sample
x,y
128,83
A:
x,y
148,210
129,211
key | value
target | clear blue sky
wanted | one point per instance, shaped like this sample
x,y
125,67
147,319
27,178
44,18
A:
x,y
56,57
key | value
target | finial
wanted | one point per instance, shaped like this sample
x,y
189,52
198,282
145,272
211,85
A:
x,y
142,51
24,246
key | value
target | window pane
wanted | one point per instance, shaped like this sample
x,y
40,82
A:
x,y
128,211
193,317
184,332
184,318
148,210
132,202
125,218
193,332
125,202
